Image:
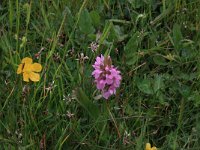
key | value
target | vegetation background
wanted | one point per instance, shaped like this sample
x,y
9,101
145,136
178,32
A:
x,y
154,43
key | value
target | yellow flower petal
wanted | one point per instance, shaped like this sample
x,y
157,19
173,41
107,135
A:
x,y
27,60
19,69
35,77
26,76
36,67
154,148
27,68
148,146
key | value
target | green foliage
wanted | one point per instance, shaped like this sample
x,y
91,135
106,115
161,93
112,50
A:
x,y
87,104
177,36
85,22
131,49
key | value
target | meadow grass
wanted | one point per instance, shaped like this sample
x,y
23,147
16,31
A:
x,y
155,44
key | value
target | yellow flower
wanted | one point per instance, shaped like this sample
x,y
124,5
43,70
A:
x,y
28,69
148,147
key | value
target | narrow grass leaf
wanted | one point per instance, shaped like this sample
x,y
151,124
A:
x,y
87,104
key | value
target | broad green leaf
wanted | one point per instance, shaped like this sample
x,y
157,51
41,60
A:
x,y
132,44
95,18
114,33
185,90
177,36
129,110
85,22
131,49
132,59
70,20
161,98
159,60
117,34
188,53
158,83
145,86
